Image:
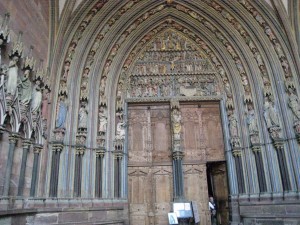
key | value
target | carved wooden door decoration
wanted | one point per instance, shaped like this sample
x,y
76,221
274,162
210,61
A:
x,y
150,164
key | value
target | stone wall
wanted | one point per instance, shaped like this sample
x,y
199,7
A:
x,y
59,212
32,18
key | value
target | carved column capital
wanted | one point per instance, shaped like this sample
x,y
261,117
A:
x,y
118,155
57,147
278,144
37,149
80,150
13,138
256,148
178,155
100,153
237,153
26,144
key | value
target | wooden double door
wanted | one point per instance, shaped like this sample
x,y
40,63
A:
x,y
150,175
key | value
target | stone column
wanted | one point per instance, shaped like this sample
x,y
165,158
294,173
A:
x,y
13,138
178,176
237,153
36,150
80,149
177,153
117,173
260,168
78,171
98,176
56,150
286,185
26,145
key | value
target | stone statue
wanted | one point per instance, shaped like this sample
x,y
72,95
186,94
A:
x,y
61,113
36,98
12,80
176,119
270,34
82,117
45,102
3,72
294,104
258,59
102,121
270,115
66,69
252,122
233,129
25,88
120,134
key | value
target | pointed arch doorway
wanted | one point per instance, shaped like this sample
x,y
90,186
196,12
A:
x,y
150,173
171,69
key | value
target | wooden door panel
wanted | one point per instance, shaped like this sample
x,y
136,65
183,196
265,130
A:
x,y
150,175
149,182
196,189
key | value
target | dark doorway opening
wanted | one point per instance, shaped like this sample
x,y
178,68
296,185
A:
x,y
218,188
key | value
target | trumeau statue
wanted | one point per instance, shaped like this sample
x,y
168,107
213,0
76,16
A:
x,y
176,119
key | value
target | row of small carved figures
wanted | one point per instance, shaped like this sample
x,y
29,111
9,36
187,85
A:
x,y
162,91
171,56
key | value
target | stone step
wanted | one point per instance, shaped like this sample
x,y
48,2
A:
x,y
117,222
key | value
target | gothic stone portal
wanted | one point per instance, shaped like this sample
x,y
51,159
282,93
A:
x,y
150,158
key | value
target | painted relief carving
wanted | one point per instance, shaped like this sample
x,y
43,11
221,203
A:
x,y
172,66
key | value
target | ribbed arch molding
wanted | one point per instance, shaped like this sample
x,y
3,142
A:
x,y
259,67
